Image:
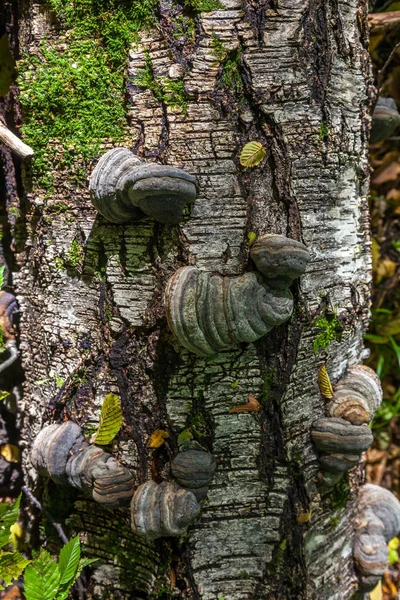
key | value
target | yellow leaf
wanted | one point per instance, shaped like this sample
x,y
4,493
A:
x,y
10,452
252,405
376,593
110,420
304,517
16,535
252,154
157,438
251,237
394,543
324,383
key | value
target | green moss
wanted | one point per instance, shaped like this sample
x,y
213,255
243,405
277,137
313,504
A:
x,y
268,380
331,330
74,256
203,5
231,78
168,91
323,131
73,93
184,26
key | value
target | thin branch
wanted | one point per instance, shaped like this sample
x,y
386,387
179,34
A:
x,y
12,141
35,502
385,66
28,493
380,22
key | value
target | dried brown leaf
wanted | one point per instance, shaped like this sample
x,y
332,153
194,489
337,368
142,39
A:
x,y
252,405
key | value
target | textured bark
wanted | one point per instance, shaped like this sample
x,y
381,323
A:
x,y
305,69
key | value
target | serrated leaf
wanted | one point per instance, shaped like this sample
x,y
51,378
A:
x,y
69,560
110,420
252,154
11,566
41,578
324,383
10,452
8,516
252,405
2,276
63,592
184,436
157,438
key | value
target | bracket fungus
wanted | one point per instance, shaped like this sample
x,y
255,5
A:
x,y
385,120
8,312
340,443
61,453
377,523
123,188
161,510
209,313
341,437
193,470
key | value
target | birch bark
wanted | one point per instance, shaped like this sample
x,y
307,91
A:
x,y
305,75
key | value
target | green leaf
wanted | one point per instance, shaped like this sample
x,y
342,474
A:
x,y
393,556
110,420
69,560
41,578
184,436
11,566
252,154
63,592
8,516
2,276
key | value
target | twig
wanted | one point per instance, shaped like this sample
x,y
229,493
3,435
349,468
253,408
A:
x,y
12,141
46,513
385,66
28,493
380,22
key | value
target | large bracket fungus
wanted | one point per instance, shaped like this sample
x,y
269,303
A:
x,y
8,312
377,523
166,509
209,313
162,510
125,188
61,453
341,437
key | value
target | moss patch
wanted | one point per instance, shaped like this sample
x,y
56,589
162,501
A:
x,y
168,91
73,93
331,329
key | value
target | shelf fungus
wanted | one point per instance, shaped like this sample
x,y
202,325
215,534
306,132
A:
x,y
377,523
162,510
209,313
344,435
340,443
193,470
124,188
385,120
61,453
8,313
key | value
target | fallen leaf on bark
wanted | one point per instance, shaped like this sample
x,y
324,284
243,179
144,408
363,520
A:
x,y
157,438
252,405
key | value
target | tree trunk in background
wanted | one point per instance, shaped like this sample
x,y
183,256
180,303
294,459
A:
x,y
265,531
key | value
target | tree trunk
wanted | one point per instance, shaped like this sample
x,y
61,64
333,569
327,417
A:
x,y
294,76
